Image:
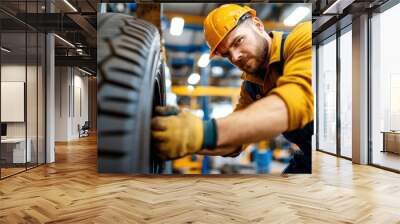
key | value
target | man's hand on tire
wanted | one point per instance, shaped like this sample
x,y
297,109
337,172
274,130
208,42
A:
x,y
175,136
167,110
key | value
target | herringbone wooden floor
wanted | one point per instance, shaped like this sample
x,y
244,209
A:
x,y
71,191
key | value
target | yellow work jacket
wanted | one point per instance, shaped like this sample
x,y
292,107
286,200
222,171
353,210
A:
x,y
293,84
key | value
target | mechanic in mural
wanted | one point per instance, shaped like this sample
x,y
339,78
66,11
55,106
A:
x,y
276,95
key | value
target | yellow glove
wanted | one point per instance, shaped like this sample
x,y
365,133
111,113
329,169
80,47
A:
x,y
166,110
177,136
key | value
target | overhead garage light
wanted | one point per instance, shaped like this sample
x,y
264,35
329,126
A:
x,y
297,15
79,51
338,6
194,78
332,7
177,24
70,5
65,41
5,50
217,70
204,60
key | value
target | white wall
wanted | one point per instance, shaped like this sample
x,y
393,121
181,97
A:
x,y
81,104
62,81
13,73
71,94
12,101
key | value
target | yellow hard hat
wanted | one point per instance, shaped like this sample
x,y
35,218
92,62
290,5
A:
x,y
221,21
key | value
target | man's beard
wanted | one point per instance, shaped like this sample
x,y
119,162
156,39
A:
x,y
261,60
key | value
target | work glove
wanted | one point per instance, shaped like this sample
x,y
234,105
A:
x,y
166,110
179,135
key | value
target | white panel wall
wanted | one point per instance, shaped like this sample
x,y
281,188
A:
x,y
13,73
62,80
12,101
71,102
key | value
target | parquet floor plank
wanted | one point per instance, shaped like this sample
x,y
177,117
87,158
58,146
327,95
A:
x,y
71,191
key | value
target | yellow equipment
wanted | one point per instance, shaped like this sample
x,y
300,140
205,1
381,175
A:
x,y
187,166
206,91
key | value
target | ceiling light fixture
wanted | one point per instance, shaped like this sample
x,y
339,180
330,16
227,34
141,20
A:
x,y
204,60
217,70
64,40
86,72
70,5
194,78
177,24
5,49
296,16
337,7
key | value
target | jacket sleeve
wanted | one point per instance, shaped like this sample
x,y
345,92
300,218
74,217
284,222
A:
x,y
294,86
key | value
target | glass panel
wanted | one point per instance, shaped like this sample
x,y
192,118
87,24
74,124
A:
x,y
22,63
41,89
314,74
13,86
346,94
385,86
31,98
32,86
327,96
41,99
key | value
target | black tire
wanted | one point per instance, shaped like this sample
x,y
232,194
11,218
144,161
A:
x,y
130,79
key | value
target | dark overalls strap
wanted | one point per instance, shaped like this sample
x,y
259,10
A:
x,y
252,88
282,59
301,160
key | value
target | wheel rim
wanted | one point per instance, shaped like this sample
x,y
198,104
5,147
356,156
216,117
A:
x,y
157,164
